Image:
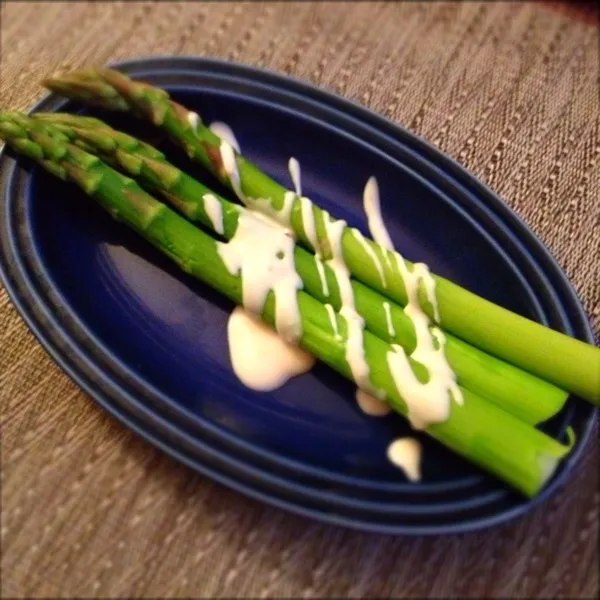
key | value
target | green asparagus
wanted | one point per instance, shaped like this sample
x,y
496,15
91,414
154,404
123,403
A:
x,y
565,361
517,453
518,392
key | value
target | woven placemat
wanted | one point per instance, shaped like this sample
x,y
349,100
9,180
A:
x,y
90,510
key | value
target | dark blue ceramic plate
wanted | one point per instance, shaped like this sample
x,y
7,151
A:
x,y
149,344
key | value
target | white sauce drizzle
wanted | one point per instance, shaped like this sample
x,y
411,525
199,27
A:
x,y
262,253
333,321
428,402
370,405
214,211
355,352
334,229
193,119
372,206
230,165
260,358
371,252
406,454
308,223
294,168
322,275
226,134
265,206
285,213
388,320
429,284
378,230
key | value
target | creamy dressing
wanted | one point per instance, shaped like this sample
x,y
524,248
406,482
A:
x,y
193,119
230,166
281,217
429,284
284,215
371,252
406,454
333,321
377,228
372,206
322,275
308,223
262,253
370,405
355,352
310,231
226,134
388,320
294,168
429,402
214,211
334,229
260,358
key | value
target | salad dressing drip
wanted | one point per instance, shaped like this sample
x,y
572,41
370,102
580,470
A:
x,y
262,253
294,169
388,320
333,320
226,134
372,206
193,119
230,167
372,254
260,358
405,453
214,211
372,406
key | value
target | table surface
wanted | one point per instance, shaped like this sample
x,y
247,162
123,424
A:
x,y
510,91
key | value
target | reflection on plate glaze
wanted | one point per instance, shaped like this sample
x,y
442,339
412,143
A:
x,y
138,275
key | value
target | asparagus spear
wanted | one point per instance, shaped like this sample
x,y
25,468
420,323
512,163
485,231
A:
x,y
565,361
518,392
521,455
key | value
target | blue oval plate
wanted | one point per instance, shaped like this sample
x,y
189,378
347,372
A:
x,y
149,344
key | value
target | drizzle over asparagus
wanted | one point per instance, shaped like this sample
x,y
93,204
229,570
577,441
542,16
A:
x,y
519,454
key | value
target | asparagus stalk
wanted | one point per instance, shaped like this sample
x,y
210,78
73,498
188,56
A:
x,y
518,392
517,453
565,361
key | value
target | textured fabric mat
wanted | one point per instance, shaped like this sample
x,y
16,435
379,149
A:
x,y
90,510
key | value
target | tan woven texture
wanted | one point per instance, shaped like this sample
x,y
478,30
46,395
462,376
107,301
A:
x,y
90,510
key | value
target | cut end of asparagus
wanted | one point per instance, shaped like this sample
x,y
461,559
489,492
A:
x,y
571,437
551,458
548,465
